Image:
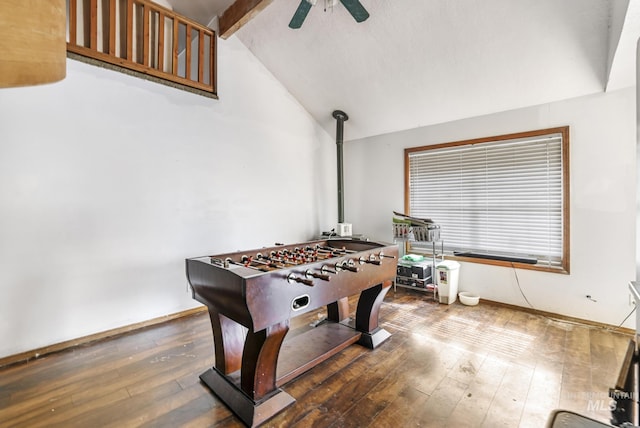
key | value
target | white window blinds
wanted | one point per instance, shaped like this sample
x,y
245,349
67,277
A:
x,y
495,197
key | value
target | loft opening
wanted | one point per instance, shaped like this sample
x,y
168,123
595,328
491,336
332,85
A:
x,y
142,38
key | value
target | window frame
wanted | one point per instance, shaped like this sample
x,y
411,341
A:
x,y
564,266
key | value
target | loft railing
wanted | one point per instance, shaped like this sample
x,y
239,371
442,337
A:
x,y
142,36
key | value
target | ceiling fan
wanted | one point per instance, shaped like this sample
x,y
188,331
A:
x,y
354,7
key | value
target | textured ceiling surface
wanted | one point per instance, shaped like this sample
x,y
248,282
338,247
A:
x,y
420,62
201,11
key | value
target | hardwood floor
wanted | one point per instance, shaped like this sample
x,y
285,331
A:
x,y
482,366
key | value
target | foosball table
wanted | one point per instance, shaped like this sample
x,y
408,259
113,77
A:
x,y
252,296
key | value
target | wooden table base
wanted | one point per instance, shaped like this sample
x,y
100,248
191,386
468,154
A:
x,y
250,412
298,354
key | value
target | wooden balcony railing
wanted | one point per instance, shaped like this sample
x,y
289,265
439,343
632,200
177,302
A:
x,y
142,36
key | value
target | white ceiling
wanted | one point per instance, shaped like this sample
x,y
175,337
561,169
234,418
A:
x,y
421,62
201,11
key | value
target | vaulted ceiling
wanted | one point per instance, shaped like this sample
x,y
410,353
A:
x,y
420,62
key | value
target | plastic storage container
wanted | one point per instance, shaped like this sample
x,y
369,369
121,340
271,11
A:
x,y
447,272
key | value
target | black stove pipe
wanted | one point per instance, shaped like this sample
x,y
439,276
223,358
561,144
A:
x,y
340,117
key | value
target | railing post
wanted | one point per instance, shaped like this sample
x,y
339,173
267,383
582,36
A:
x,y
112,27
175,38
145,34
160,41
130,30
93,24
187,61
73,21
200,56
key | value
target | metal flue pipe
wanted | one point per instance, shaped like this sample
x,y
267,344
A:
x,y
340,117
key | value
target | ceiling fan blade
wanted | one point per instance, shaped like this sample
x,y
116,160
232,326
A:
x,y
356,9
300,15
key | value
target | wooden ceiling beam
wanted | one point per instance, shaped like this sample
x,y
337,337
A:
x,y
238,14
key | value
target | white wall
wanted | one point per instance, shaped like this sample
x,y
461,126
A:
x,y
603,186
108,182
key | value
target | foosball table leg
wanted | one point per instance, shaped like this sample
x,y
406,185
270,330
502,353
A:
x,y
338,311
367,315
244,375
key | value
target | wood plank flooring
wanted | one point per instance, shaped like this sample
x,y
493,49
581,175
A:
x,y
482,366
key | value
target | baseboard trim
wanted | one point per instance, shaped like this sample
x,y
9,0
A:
x,y
57,347
563,318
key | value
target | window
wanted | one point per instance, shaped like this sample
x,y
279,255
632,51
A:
x,y
499,199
